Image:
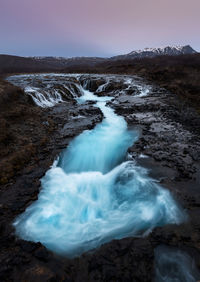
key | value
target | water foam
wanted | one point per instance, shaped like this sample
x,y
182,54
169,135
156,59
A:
x,y
80,211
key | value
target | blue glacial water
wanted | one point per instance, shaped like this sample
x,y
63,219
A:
x,y
93,195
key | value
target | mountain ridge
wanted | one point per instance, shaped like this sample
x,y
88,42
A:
x,y
17,64
146,52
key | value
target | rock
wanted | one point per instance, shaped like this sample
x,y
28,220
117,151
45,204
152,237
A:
x,y
42,254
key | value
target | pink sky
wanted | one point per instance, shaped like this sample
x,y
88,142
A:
x,y
91,27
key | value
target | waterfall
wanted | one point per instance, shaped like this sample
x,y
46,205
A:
x,y
44,98
48,90
93,195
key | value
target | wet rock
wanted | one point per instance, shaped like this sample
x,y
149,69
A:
x,y
42,254
28,247
91,83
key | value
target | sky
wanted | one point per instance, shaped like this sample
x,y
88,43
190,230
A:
x,y
96,27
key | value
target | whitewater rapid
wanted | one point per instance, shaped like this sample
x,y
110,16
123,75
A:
x,y
92,195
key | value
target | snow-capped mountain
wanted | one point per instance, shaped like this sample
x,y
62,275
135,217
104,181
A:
x,y
152,52
147,52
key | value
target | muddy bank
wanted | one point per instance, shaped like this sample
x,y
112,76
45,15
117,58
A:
x,y
169,146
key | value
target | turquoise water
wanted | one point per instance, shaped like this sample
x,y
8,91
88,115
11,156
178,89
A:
x,y
93,195
102,148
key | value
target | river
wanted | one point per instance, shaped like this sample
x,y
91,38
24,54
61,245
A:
x,y
92,194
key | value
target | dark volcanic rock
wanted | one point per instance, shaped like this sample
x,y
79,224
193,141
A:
x,y
166,147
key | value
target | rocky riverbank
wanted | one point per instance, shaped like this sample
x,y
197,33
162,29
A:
x,y
31,139
168,146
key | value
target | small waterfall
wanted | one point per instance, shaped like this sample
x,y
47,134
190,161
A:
x,y
144,91
102,87
50,89
44,98
86,84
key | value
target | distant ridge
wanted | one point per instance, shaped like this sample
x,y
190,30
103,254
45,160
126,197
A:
x,y
65,62
146,52
16,64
